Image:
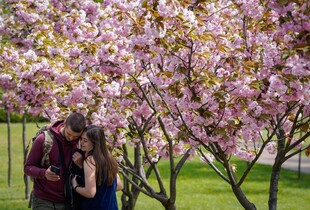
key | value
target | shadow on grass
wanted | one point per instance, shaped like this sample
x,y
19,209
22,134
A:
x,y
260,174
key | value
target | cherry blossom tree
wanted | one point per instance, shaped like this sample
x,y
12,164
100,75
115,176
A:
x,y
218,79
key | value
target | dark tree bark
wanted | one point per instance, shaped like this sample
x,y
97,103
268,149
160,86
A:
x,y
273,189
276,169
26,178
131,192
243,199
8,117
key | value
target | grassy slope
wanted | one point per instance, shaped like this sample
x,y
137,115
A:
x,y
198,187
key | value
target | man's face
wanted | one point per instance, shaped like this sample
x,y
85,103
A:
x,y
71,135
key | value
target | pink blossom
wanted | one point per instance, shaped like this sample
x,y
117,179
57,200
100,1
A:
x,y
271,147
277,86
245,155
63,78
74,51
6,81
165,10
112,89
30,55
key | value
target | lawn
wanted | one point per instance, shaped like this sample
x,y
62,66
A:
x,y
198,187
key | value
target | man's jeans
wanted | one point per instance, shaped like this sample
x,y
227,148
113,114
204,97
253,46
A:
x,y
39,204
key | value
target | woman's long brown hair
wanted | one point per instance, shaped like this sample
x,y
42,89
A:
x,y
106,165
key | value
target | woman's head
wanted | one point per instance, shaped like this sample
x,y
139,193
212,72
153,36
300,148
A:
x,y
93,143
93,139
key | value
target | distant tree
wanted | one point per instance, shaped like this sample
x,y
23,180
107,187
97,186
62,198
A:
x,y
24,138
9,150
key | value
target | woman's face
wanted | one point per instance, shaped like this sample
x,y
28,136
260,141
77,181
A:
x,y
86,144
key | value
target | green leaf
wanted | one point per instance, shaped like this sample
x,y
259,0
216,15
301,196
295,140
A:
x,y
283,2
304,128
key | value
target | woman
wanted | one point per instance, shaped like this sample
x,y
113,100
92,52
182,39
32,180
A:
x,y
100,172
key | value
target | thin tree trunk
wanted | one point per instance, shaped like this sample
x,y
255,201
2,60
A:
x,y
8,117
130,195
170,205
129,198
276,169
232,180
26,178
171,201
243,199
273,189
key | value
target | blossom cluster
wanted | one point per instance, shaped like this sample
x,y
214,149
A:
x,y
184,74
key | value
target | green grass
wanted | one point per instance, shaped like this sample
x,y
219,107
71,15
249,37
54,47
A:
x,y
198,187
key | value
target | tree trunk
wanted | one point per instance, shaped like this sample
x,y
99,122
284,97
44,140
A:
x,y
170,206
129,200
273,188
130,195
8,117
243,199
276,169
26,178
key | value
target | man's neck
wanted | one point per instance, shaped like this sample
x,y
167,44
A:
x,y
62,131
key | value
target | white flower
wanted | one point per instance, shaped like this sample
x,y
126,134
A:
x,y
207,158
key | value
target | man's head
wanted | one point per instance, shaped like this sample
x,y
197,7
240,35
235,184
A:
x,y
74,126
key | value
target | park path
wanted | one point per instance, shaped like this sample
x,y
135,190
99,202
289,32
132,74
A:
x,y
293,163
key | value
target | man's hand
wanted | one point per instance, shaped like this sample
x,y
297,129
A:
x,y
51,176
77,158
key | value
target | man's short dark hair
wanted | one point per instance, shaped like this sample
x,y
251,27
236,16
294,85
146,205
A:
x,y
76,121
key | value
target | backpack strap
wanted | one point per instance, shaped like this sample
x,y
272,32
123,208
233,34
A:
x,y
67,187
47,146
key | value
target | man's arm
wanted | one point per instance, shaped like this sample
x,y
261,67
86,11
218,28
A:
x,y
32,165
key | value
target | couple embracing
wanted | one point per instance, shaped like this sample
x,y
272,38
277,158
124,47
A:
x,y
95,179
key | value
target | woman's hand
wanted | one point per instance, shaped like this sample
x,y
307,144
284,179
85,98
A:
x,y
74,182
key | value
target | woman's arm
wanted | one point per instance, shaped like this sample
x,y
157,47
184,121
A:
x,y
89,191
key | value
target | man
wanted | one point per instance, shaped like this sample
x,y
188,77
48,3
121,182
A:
x,y
48,187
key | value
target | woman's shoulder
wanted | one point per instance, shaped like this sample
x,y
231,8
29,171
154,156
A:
x,y
90,160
